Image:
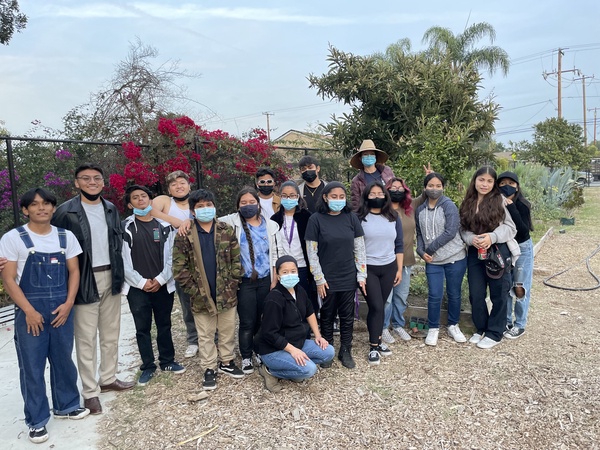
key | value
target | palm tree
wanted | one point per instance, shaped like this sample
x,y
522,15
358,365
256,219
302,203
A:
x,y
459,49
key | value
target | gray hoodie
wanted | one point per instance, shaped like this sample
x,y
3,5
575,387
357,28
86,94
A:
x,y
437,232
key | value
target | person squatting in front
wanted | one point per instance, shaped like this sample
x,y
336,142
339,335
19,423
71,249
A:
x,y
384,243
337,259
149,284
285,351
206,262
41,275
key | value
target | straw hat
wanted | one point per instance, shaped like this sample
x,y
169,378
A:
x,y
367,145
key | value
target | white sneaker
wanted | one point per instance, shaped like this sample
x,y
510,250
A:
x,y
475,338
387,337
432,336
456,334
402,333
191,351
487,342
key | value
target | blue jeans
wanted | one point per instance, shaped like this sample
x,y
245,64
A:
x,y
282,365
454,274
521,273
397,302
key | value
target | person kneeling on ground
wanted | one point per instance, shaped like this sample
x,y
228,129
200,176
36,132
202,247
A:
x,y
281,342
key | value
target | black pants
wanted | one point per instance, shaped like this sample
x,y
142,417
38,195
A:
x,y
494,322
142,305
342,305
380,281
251,298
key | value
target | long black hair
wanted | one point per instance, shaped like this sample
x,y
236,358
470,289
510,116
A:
x,y
322,206
251,191
387,210
490,212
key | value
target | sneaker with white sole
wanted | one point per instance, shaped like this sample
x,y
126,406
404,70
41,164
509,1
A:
x,y
383,350
146,376
191,351
374,357
209,383
487,342
174,367
247,366
387,337
455,333
432,336
402,333
475,338
78,414
514,333
231,369
38,435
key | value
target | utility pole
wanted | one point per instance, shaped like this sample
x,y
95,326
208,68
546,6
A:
x,y
559,73
582,78
595,110
268,114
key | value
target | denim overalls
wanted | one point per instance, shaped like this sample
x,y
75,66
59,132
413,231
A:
x,y
44,283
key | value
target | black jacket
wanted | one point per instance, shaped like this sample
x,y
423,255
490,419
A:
x,y
71,216
283,320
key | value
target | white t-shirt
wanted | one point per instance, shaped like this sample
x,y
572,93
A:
x,y
295,248
176,211
14,249
99,231
266,207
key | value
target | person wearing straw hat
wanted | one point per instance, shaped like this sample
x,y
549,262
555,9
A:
x,y
370,161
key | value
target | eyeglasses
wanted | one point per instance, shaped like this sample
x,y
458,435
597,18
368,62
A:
x,y
87,179
263,182
291,196
377,195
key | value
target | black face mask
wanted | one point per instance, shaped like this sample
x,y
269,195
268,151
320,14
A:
x,y
265,190
508,190
249,211
376,202
397,196
181,199
309,175
90,197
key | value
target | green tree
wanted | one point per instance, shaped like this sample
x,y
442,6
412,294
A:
x,y
557,143
11,20
409,105
460,49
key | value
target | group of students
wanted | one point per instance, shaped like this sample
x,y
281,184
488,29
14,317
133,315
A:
x,y
288,263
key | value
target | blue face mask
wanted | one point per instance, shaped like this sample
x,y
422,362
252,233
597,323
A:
x,y
290,280
205,214
336,205
289,203
142,212
368,160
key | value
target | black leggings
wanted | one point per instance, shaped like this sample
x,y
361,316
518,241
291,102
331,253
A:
x,y
342,304
380,281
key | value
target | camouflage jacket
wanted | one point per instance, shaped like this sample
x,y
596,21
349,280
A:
x,y
188,269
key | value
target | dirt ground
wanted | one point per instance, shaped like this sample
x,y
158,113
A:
x,y
541,391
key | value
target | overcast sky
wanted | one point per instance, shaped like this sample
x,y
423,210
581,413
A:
x,y
254,57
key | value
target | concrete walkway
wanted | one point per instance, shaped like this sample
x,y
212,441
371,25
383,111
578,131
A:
x,y
64,434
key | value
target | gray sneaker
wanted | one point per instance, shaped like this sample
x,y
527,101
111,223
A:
x,y
387,337
402,333
514,333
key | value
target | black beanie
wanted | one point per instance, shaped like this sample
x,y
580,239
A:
x,y
284,259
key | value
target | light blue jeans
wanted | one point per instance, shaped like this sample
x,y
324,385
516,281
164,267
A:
x,y
282,365
522,274
397,302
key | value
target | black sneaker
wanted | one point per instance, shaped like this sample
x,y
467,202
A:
x,y
230,369
210,380
384,350
247,366
514,333
79,413
374,357
38,435
346,358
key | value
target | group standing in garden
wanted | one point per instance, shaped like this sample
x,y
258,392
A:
x,y
286,266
